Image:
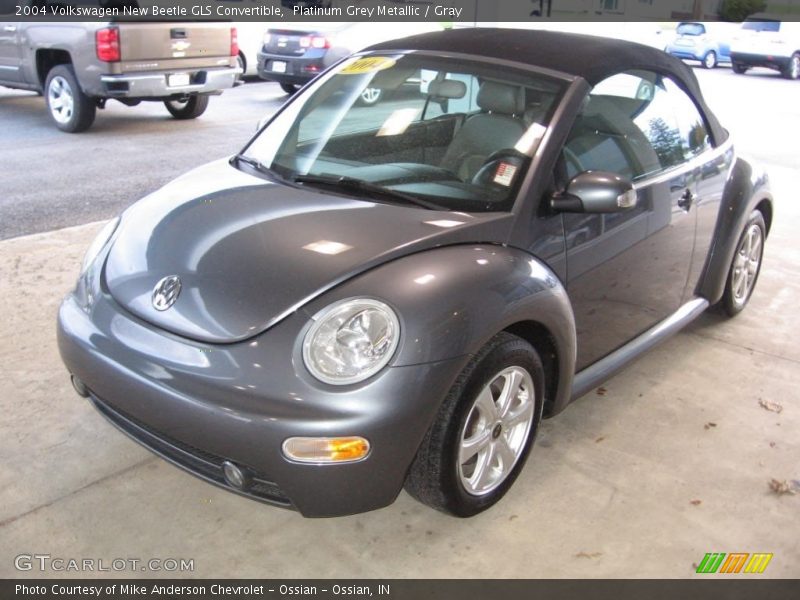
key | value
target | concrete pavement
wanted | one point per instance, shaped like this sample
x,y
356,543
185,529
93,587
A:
x,y
670,460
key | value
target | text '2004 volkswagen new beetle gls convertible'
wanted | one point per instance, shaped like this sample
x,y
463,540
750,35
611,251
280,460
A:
x,y
373,297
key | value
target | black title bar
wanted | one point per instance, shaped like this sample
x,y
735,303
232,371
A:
x,y
713,587
442,11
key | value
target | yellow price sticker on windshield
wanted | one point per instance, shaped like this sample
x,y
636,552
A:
x,y
369,64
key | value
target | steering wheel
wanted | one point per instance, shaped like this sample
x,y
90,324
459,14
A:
x,y
500,168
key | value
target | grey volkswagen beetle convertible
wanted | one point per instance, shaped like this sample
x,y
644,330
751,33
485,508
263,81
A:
x,y
368,298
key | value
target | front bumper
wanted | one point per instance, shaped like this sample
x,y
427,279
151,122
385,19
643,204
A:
x,y
198,405
685,53
760,60
156,85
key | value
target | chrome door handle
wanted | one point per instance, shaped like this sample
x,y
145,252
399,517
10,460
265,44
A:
x,y
10,28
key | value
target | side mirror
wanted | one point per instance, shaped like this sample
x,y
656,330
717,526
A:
x,y
596,192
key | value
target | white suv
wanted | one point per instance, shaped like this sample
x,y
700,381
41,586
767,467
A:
x,y
767,43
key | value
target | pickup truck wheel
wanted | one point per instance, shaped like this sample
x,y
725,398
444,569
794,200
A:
x,y
190,108
71,109
739,68
746,266
792,68
290,88
483,432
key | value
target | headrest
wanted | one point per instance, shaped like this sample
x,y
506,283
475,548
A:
x,y
501,98
447,88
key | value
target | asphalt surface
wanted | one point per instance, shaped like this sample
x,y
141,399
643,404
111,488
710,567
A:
x,y
53,179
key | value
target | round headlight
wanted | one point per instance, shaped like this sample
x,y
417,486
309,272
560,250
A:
x,y
99,243
351,340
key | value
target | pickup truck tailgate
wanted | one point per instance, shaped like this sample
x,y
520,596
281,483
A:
x,y
156,46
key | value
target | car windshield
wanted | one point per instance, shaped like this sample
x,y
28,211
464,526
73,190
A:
x,y
441,133
690,29
761,25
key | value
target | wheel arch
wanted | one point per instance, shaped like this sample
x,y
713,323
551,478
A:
x,y
764,206
47,58
746,190
452,300
543,341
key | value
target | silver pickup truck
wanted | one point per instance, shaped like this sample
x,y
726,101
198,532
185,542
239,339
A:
x,y
78,67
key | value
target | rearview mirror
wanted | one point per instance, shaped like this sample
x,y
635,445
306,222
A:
x,y
596,192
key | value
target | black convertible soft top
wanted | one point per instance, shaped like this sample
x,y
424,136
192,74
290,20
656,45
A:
x,y
590,57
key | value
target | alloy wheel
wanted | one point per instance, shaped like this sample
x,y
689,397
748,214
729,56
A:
x,y
496,431
60,99
746,263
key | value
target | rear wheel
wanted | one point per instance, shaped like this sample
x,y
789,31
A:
x,y
792,68
480,440
710,60
290,88
190,107
739,68
746,265
71,109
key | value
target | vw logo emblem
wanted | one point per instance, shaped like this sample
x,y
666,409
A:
x,y
166,292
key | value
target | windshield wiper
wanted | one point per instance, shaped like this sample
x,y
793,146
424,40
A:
x,y
351,184
259,166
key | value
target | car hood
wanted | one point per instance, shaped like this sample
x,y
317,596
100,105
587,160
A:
x,y
250,252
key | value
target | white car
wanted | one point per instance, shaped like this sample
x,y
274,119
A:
x,y
251,36
767,43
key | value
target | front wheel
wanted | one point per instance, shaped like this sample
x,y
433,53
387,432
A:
x,y
792,69
739,68
187,108
710,60
71,109
746,265
482,435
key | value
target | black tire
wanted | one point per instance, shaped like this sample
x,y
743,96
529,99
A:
x,y
436,476
290,88
370,96
710,60
71,110
241,63
739,68
190,108
792,68
734,300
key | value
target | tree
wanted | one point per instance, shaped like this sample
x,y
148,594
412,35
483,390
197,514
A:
x,y
739,10
666,141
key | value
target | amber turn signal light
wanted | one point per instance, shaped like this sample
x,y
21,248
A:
x,y
326,449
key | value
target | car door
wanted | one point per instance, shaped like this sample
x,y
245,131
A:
x,y
10,55
626,271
